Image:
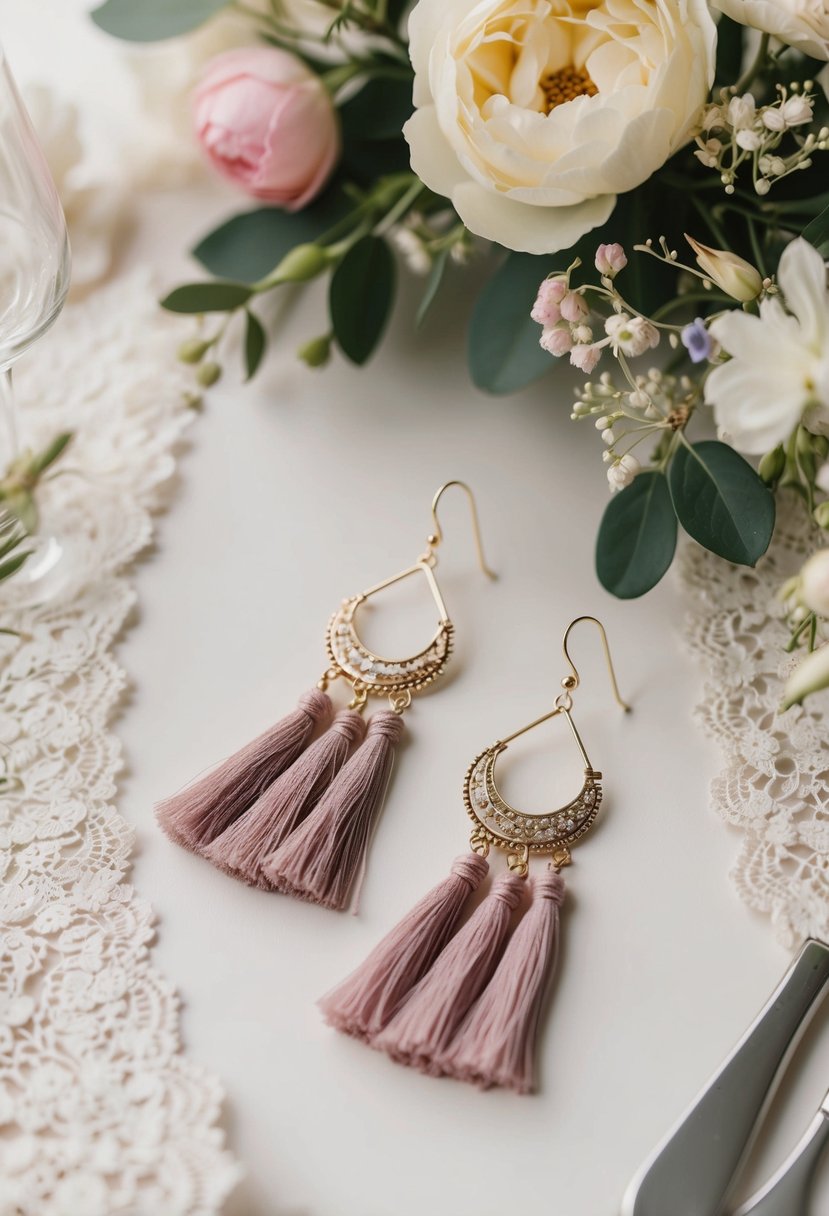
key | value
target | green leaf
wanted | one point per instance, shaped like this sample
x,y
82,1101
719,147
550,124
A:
x,y
13,564
360,298
378,110
432,285
256,342
721,501
817,232
49,455
249,245
220,296
365,160
502,345
637,537
154,20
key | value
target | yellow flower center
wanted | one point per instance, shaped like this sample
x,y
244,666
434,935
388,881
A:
x,y
565,84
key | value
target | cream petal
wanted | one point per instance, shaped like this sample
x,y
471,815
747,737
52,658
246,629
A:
x,y
431,155
525,228
802,278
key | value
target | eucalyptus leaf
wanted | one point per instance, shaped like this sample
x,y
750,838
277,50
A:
x,y
249,245
256,342
816,232
361,296
432,285
637,537
502,345
721,501
219,296
154,20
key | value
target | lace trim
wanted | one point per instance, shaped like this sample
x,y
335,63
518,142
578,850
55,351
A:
x,y
776,767
99,1113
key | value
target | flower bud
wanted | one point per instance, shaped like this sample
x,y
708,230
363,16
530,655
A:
x,y
737,277
556,341
317,352
821,514
193,350
810,676
208,374
546,309
610,259
814,583
772,465
300,264
573,307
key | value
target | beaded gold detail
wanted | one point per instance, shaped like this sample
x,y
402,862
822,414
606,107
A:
x,y
517,832
376,675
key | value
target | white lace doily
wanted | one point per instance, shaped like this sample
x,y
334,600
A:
x,y
100,1114
773,786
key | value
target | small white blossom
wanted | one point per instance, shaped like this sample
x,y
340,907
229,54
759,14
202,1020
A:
x,y
631,335
622,472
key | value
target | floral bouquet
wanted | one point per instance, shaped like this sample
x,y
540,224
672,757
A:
x,y
634,174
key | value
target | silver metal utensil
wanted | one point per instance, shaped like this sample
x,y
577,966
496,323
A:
x,y
787,1191
692,1172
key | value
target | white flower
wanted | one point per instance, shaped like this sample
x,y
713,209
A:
x,y
585,357
630,335
792,112
814,583
533,114
778,374
741,112
809,676
622,473
800,23
556,340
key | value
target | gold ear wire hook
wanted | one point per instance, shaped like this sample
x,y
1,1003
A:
x,y
437,536
571,682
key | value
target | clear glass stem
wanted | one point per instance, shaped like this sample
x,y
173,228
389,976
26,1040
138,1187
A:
x,y
9,434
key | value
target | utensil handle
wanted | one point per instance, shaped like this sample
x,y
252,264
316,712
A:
x,y
787,1192
692,1171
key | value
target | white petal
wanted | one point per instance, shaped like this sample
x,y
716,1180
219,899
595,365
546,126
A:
x,y
431,155
802,278
523,227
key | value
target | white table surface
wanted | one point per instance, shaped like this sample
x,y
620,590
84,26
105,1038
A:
x,y
306,487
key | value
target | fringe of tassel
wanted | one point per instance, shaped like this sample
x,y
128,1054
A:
x,y
459,1002
285,813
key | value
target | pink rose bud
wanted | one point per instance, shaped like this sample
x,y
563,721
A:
x,y
573,307
556,341
546,308
267,123
610,259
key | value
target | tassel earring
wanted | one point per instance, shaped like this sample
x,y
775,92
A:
x,y
294,810
465,1000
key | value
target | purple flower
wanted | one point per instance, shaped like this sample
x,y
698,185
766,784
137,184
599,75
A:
x,y
697,341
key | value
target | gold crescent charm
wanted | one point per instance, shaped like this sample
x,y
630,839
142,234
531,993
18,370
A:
x,y
510,829
380,676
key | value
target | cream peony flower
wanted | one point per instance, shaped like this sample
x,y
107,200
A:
x,y
778,373
532,115
800,23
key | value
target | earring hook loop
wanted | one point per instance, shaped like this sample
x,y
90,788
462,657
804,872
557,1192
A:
x,y
572,682
437,536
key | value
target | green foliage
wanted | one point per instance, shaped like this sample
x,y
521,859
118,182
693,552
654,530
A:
x,y
154,20
256,343
502,346
216,296
721,501
433,284
12,539
361,296
249,245
637,537
817,232
378,110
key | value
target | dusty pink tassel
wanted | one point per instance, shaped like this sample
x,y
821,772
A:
x,y
243,847
321,859
201,811
496,1044
368,999
425,1024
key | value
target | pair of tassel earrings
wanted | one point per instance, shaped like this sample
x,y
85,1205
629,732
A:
x,y
294,810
